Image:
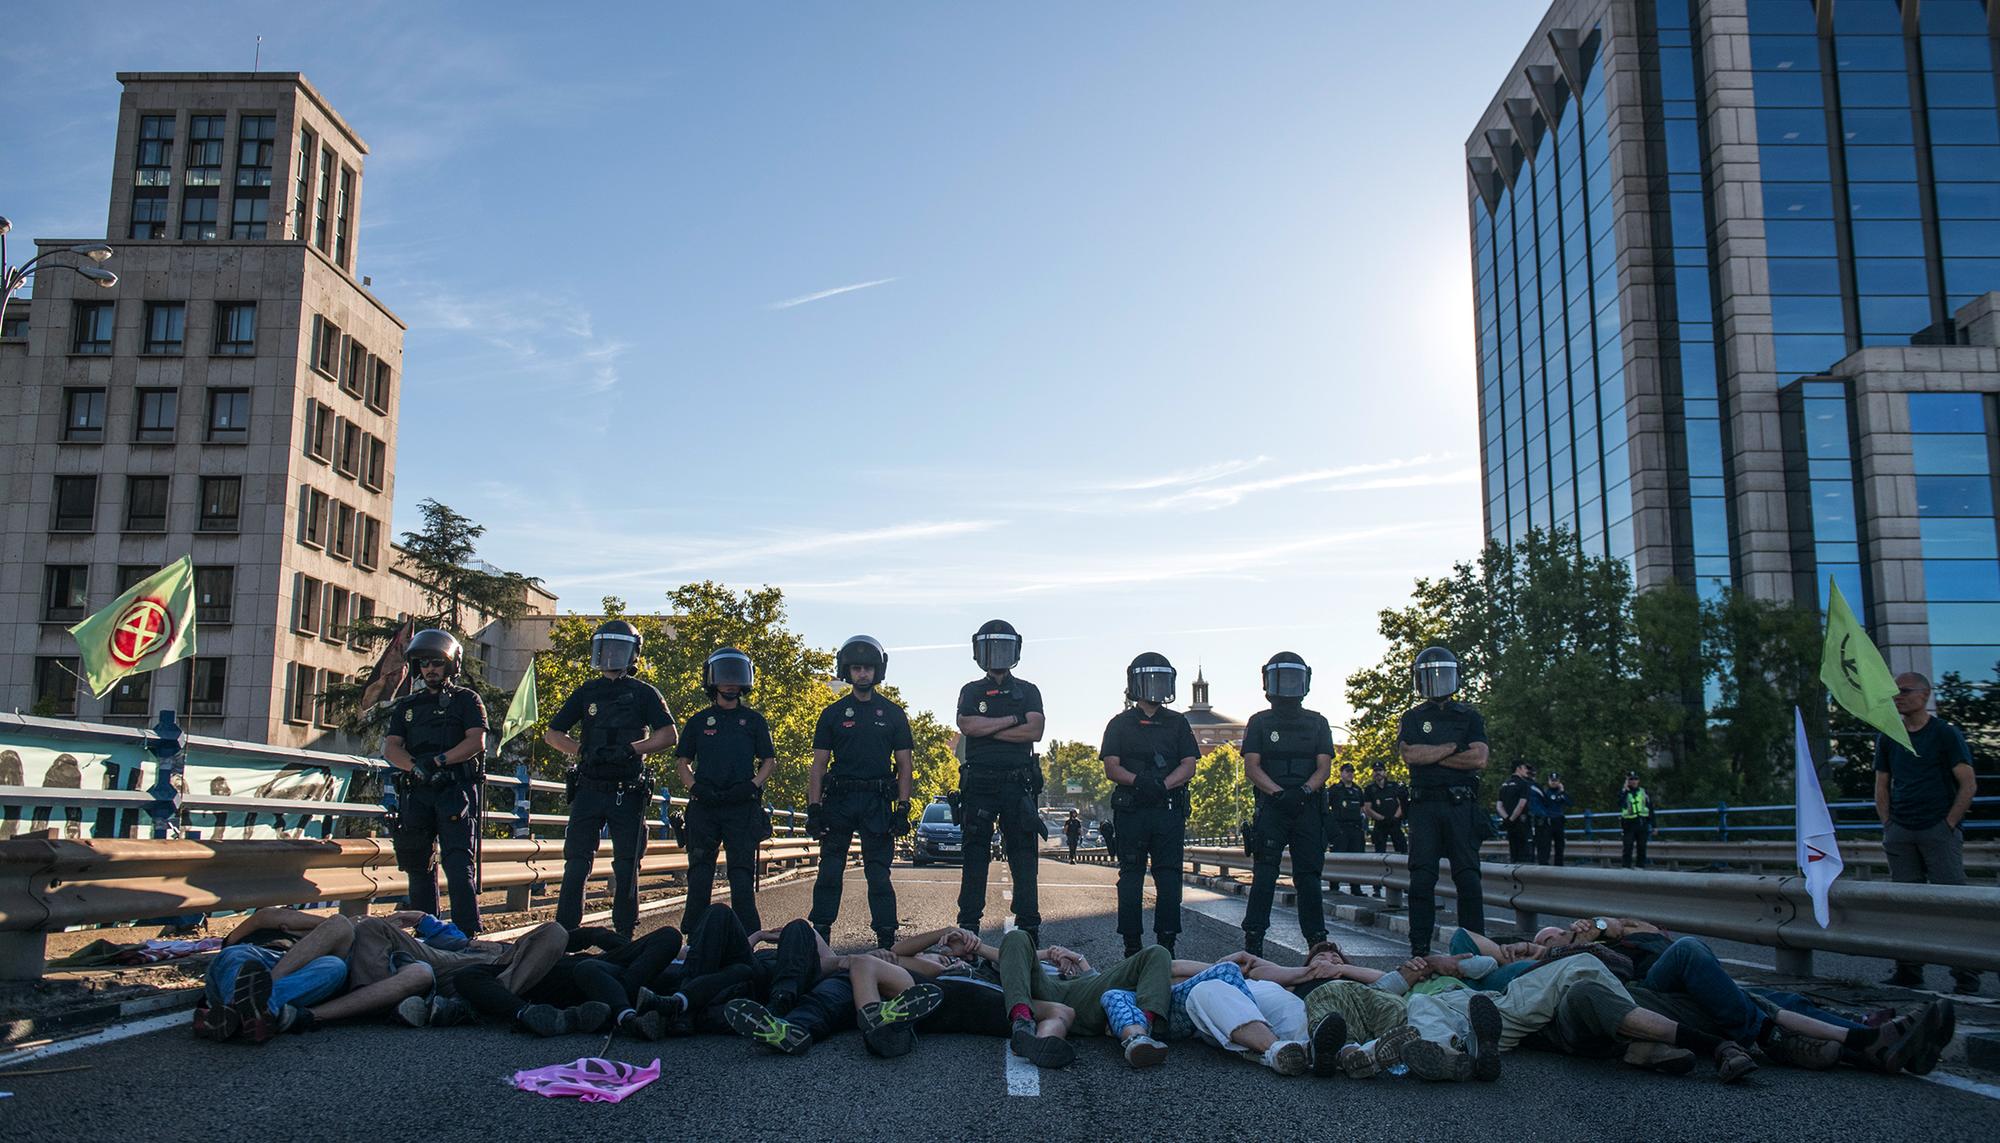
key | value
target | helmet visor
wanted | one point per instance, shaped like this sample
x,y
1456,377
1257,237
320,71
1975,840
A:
x,y
613,652
1150,684
1436,680
1287,680
732,669
996,652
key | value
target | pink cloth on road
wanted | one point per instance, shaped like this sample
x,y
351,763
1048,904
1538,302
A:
x,y
591,1079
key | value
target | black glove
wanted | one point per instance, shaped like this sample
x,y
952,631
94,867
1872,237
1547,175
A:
x,y
679,826
1291,798
745,792
899,818
569,783
1149,789
424,768
956,803
815,825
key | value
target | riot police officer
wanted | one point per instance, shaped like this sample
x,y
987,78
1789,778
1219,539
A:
x,y
623,721
1287,755
1149,752
1001,718
867,791
1444,745
436,738
1344,800
725,756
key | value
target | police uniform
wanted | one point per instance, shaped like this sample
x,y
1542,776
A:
x,y
1387,798
857,796
725,807
1152,826
997,788
1288,743
1635,821
1348,826
1446,821
1513,792
1551,826
443,809
611,789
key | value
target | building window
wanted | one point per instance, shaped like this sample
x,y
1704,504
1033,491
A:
x,y
325,346
327,681
207,686
364,612
236,328
130,574
199,210
155,161
153,416
306,620
83,414
313,505
214,594
65,593
378,386
76,503
166,326
338,600
204,153
319,429
343,530
305,690
302,165
352,377
256,140
344,218
146,503
228,416
149,213
250,215
56,681
348,460
92,326
370,543
14,326
221,503
319,200
132,697
378,463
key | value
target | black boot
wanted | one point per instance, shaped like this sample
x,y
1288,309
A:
x,y
1253,943
1166,941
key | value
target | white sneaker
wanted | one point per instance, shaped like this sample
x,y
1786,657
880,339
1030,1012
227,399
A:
x,y
1288,1058
1142,1051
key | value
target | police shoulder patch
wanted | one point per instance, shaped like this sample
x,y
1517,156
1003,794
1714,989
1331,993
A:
x,y
409,714
711,721
1274,736
593,710
982,706
1427,726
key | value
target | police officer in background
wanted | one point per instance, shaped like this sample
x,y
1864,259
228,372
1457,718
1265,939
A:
x,y
1444,745
1344,801
437,739
725,756
1385,809
1001,719
1635,820
623,721
867,791
1149,753
1515,801
1287,756
1551,821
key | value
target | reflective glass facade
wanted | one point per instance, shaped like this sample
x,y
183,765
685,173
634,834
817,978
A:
x,y
1952,438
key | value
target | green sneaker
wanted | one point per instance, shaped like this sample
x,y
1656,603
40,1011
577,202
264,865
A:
x,y
754,1021
913,1003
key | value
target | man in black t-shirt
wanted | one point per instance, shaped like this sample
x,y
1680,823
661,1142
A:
x,y
623,721
1385,810
1287,755
1922,799
866,738
725,756
436,739
1001,719
1149,753
1346,824
1444,745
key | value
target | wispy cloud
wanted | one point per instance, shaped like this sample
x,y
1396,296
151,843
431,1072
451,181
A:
x,y
708,557
1201,475
1410,480
1211,496
552,338
822,295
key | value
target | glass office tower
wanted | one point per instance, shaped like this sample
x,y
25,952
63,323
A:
x,y
1728,256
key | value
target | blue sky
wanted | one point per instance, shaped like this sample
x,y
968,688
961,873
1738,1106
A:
x,y
1146,327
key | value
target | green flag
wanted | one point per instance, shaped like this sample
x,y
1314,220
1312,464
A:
x,y
523,711
1854,672
148,627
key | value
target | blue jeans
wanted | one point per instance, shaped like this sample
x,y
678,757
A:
x,y
314,981
1688,966
1793,1002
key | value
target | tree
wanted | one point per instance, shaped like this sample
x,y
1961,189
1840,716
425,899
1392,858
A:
x,y
1219,797
1066,763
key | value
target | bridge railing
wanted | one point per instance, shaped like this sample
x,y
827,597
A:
x,y
1723,821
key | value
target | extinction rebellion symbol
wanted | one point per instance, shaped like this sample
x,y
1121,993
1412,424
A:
x,y
140,630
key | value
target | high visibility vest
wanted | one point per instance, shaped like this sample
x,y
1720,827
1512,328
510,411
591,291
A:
x,y
1636,805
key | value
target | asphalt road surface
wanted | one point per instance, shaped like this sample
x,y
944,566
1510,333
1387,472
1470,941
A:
x,y
383,1082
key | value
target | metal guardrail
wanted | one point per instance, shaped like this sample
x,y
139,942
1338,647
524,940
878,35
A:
x,y
1722,820
49,884
1982,860
1937,924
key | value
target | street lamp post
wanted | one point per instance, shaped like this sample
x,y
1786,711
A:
x,y
13,277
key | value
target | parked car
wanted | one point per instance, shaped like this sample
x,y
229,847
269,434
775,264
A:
x,y
938,839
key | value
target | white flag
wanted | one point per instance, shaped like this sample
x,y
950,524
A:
x,y
1819,851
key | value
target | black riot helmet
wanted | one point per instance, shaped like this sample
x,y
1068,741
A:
x,y
1435,673
727,667
1150,678
996,646
615,646
1286,676
432,643
861,651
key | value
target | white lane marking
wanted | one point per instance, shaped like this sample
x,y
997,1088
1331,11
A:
x,y
1023,1078
109,1035
1946,1079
